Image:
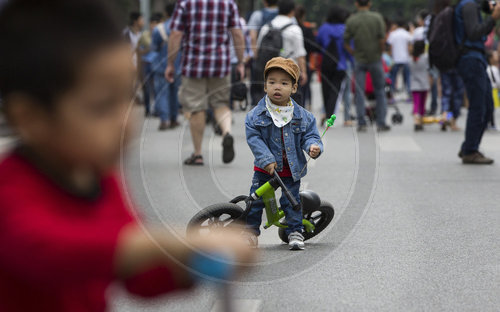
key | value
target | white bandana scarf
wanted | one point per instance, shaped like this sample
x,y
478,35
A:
x,y
281,115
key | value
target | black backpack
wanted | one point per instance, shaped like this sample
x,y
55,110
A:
x,y
271,46
444,51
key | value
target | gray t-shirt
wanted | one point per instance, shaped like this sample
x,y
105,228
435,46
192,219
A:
x,y
419,80
256,20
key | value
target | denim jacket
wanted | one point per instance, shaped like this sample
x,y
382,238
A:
x,y
265,140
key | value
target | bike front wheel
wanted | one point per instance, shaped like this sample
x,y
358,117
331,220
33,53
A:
x,y
320,217
213,218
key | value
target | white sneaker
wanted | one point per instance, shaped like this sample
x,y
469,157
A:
x,y
296,241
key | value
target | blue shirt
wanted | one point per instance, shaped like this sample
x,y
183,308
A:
x,y
328,32
267,143
160,48
475,48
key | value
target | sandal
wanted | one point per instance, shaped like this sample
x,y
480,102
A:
x,y
194,160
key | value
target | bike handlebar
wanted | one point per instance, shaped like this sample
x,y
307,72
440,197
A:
x,y
289,196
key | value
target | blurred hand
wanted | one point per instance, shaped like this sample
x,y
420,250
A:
x,y
170,73
314,151
271,167
303,79
228,241
240,69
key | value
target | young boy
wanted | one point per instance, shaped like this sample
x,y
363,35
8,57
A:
x,y
66,232
278,130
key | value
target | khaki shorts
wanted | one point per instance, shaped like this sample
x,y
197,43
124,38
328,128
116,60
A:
x,y
198,94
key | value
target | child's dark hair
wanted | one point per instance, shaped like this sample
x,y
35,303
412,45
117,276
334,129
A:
x,y
418,49
156,17
48,42
282,70
337,15
285,7
169,8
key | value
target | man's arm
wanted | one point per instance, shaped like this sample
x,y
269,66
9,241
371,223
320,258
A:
x,y
253,40
174,45
347,39
348,48
254,24
381,42
473,28
303,70
239,47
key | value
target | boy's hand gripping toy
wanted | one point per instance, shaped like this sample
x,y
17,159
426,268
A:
x,y
329,123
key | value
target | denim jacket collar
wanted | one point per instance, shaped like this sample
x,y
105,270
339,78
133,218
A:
x,y
262,109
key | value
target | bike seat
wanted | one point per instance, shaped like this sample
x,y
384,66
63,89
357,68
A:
x,y
310,199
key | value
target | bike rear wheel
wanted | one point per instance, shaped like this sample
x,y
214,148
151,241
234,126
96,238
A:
x,y
320,217
214,217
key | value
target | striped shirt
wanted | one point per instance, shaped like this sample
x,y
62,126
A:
x,y
206,43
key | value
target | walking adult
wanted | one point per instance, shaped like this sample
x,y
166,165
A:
x,y
203,27
166,99
426,19
293,42
132,33
472,29
400,42
335,58
367,30
257,20
311,47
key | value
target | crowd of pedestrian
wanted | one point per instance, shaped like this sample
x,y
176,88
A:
x,y
188,67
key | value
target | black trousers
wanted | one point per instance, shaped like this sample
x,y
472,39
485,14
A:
x,y
331,84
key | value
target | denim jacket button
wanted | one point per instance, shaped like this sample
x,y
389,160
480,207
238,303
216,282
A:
x,y
286,134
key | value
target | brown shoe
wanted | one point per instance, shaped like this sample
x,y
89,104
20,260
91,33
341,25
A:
x,y
476,159
164,125
174,124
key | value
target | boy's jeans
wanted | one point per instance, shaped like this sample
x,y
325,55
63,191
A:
x,y
478,86
378,78
292,217
166,101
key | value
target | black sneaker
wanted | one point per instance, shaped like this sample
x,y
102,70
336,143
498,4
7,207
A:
x,y
227,149
383,128
419,128
362,128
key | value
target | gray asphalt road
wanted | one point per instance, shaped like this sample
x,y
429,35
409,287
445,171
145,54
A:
x,y
414,230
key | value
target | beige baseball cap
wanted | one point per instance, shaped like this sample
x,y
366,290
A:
x,y
285,64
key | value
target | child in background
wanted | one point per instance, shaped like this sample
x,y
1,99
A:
x,y
278,130
419,82
494,75
66,232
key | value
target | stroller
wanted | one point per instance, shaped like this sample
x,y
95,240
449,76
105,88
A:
x,y
397,117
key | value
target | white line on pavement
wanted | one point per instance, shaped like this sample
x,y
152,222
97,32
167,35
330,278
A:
x,y
398,144
247,305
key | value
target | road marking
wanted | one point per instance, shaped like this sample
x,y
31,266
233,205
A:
x,y
398,144
247,305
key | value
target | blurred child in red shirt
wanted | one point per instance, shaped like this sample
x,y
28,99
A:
x,y
65,231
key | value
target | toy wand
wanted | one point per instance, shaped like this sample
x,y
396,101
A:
x,y
329,124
